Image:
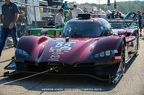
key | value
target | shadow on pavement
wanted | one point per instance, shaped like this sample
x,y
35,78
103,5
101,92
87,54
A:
x,y
56,83
130,63
52,83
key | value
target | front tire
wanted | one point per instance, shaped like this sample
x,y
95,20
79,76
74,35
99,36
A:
x,y
137,44
121,68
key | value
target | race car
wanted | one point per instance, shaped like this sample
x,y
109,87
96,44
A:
x,y
86,46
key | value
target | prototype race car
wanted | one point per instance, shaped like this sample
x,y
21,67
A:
x,y
87,46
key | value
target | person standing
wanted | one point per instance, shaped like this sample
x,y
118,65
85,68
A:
x,y
10,14
117,14
59,19
120,15
140,22
143,20
113,14
76,11
66,15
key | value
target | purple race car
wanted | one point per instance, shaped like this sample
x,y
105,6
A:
x,y
87,46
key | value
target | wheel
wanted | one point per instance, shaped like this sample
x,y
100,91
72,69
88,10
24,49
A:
x,y
137,45
121,68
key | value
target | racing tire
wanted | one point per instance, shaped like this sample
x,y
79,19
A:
x,y
137,45
121,68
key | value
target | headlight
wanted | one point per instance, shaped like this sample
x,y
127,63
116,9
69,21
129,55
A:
x,y
101,54
21,52
107,53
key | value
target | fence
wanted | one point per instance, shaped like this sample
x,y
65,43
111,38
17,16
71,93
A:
x,y
47,15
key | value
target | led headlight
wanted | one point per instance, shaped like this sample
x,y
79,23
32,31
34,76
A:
x,y
21,52
107,53
96,55
102,54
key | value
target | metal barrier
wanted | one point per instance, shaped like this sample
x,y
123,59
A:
x,y
47,14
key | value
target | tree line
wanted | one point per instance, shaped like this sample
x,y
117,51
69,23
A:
x,y
123,7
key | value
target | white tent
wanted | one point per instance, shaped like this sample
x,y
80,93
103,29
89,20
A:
x,y
33,12
21,1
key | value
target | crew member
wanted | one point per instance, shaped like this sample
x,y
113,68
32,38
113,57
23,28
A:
x,y
59,19
76,11
66,15
10,14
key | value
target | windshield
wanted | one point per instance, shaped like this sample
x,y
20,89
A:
x,y
82,29
118,25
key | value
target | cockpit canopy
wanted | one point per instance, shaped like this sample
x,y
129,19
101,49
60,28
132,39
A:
x,y
82,29
86,28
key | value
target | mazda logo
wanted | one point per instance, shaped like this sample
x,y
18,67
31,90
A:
x,y
55,56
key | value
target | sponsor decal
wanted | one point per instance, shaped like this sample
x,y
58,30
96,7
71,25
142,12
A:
x,y
10,7
51,50
54,58
66,51
59,52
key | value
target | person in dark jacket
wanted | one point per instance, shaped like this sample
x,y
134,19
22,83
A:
x,y
113,15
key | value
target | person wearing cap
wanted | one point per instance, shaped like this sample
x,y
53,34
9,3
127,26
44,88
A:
x,y
59,19
76,11
140,22
66,14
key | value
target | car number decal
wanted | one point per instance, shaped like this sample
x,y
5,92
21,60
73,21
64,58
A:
x,y
62,46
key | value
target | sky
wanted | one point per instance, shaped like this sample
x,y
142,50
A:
x,y
97,1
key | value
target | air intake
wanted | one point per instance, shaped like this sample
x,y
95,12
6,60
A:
x,y
84,16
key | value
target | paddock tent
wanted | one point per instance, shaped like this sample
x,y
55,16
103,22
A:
x,y
33,13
